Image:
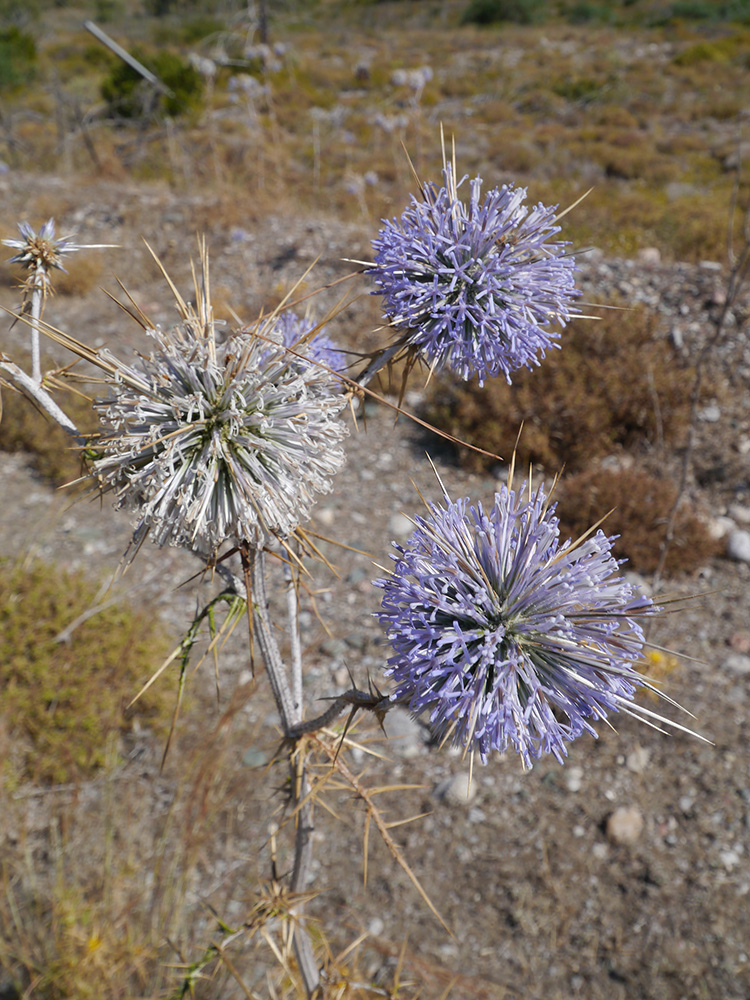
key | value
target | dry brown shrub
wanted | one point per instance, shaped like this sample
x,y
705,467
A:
x,y
640,504
613,385
81,275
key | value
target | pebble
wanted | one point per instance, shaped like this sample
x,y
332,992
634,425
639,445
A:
x,y
335,648
737,663
686,804
730,859
710,414
325,516
254,758
740,642
738,545
637,760
400,525
720,527
574,778
625,825
740,513
458,790
648,256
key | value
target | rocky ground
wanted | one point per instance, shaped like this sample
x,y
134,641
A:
x,y
623,873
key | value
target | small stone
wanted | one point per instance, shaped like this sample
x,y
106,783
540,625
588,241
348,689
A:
x,y
730,859
686,804
677,337
357,575
459,790
325,516
574,778
740,642
740,513
737,663
376,927
710,414
649,256
625,825
738,545
400,525
254,758
342,678
720,527
637,760
335,648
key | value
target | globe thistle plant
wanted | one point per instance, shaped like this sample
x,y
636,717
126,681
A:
x,y
478,288
505,636
215,442
41,252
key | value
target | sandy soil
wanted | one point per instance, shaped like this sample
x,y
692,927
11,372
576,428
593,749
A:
x,y
543,897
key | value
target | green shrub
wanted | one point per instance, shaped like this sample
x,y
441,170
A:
x,y
700,53
737,11
195,29
580,89
128,95
496,11
17,58
585,12
640,505
61,699
595,396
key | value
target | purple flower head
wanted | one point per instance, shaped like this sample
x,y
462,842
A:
x,y
500,632
477,288
293,332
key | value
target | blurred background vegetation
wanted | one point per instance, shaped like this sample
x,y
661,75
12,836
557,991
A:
x,y
639,99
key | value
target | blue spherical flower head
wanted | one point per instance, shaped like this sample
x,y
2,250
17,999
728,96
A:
x,y
500,632
477,288
296,332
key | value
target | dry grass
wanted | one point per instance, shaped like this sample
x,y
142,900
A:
x,y
620,102
639,504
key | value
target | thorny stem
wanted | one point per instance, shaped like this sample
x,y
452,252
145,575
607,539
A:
x,y
352,699
253,562
381,359
36,312
296,652
33,387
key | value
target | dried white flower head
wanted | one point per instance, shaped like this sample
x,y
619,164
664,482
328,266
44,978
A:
x,y
216,442
42,252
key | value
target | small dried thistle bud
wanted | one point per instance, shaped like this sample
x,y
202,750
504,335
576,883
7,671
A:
x,y
42,252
